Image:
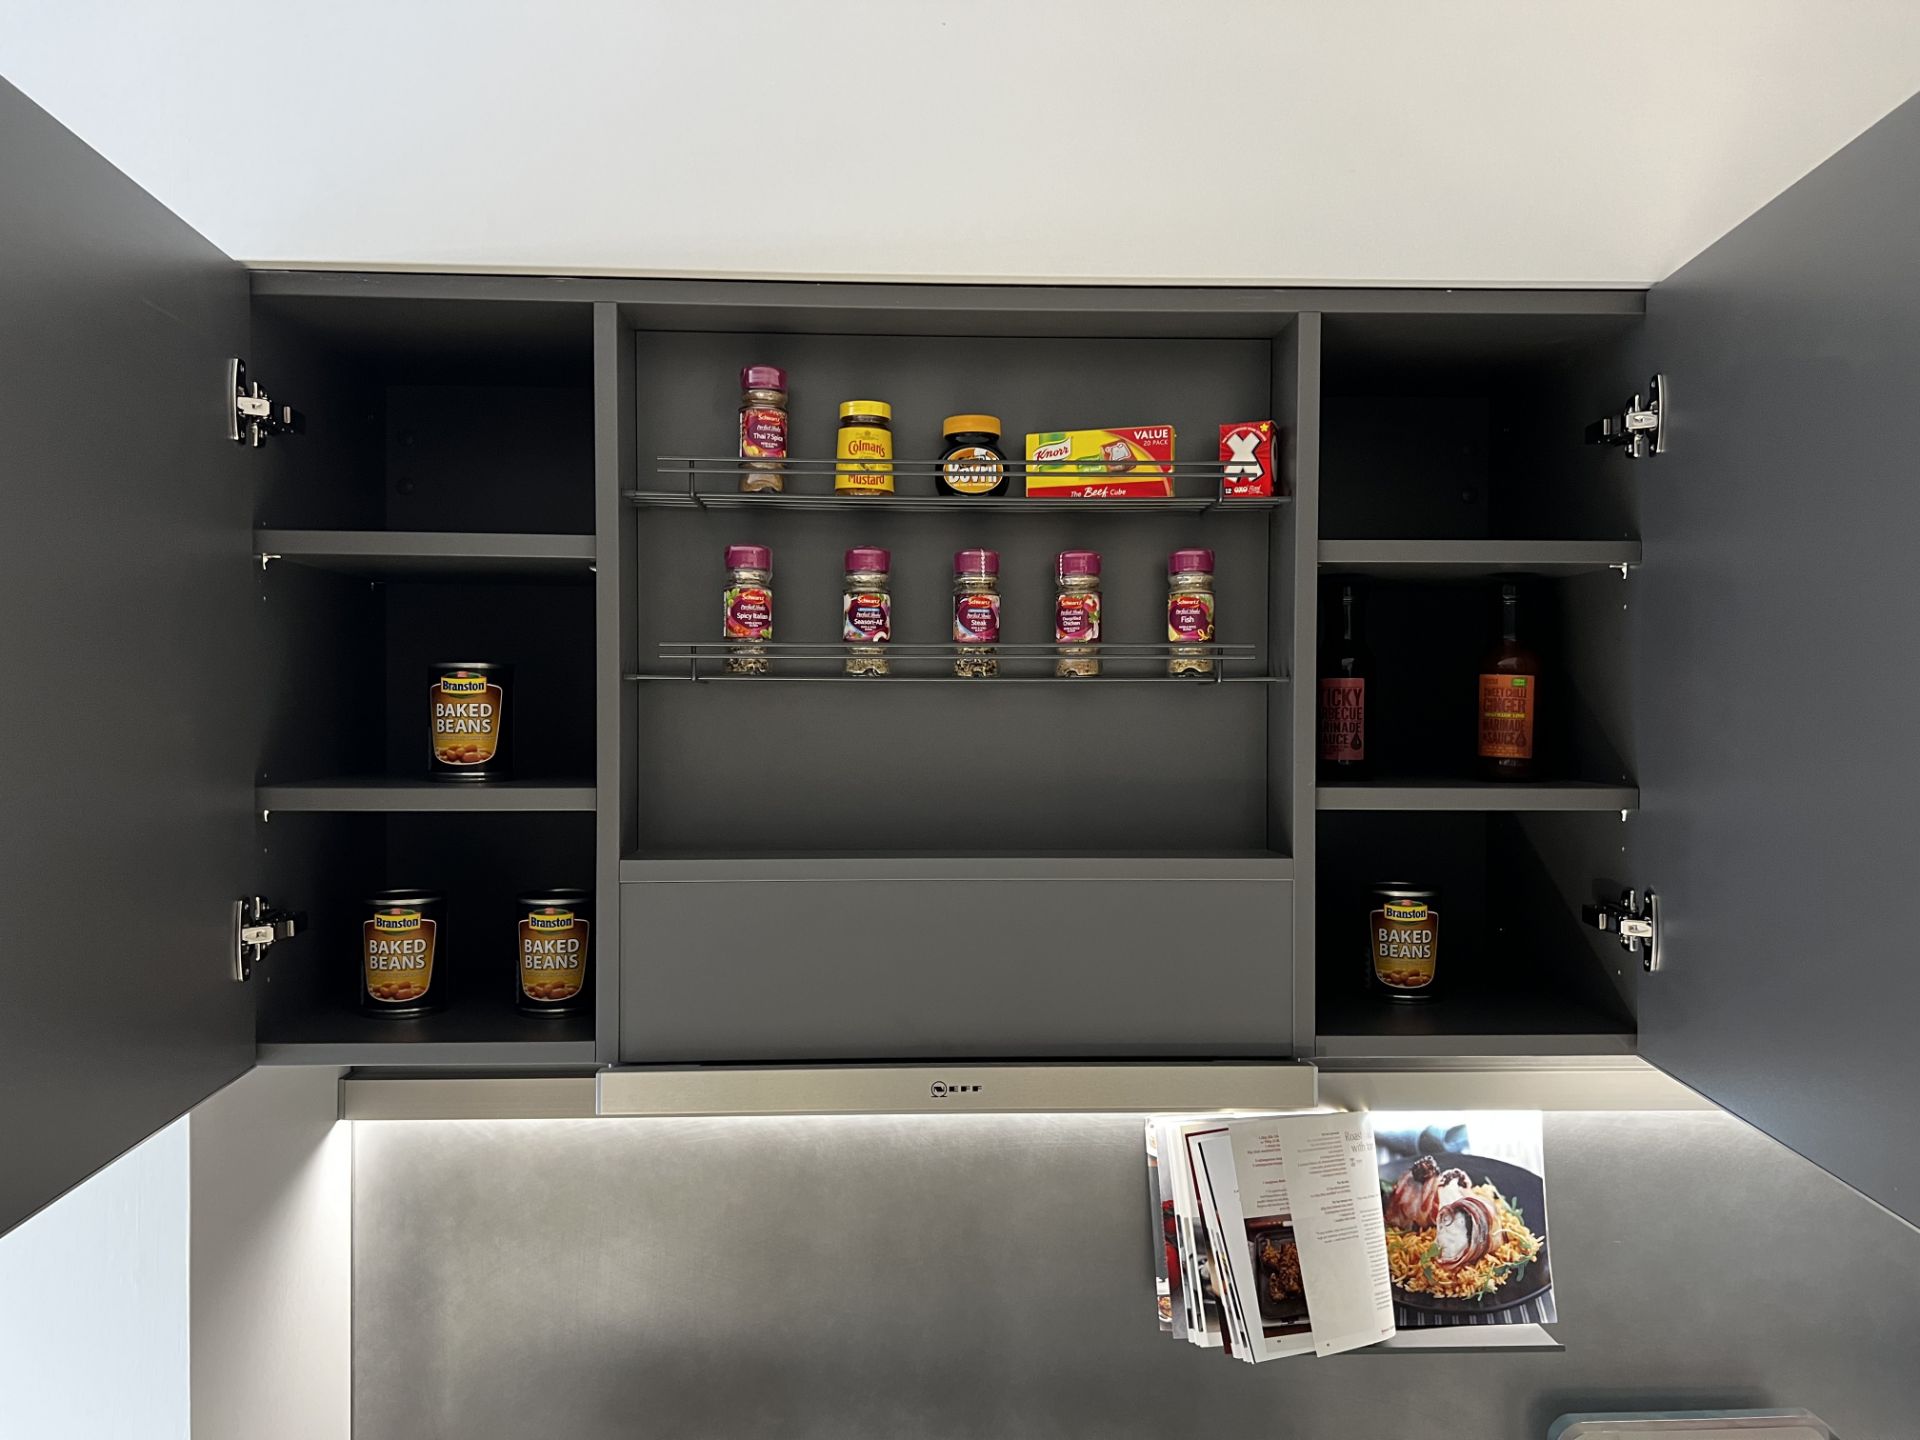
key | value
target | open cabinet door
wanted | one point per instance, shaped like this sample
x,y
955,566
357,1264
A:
x,y
1776,689
127,586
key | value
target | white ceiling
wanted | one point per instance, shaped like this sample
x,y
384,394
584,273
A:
x,y
1434,142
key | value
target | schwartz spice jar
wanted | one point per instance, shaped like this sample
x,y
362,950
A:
x,y
402,959
1403,941
554,960
467,720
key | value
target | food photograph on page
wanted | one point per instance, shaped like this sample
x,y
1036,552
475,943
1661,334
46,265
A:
x,y
1465,1201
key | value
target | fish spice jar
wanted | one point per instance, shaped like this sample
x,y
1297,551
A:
x,y
467,720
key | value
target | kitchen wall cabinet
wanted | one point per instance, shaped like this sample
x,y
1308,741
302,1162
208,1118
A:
x,y
216,651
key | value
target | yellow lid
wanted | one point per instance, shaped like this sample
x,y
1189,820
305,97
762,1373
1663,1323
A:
x,y
866,407
963,424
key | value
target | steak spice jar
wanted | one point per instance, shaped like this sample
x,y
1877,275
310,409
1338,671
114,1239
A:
x,y
467,720
555,958
402,953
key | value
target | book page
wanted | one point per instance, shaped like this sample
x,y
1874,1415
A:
x,y
1328,1166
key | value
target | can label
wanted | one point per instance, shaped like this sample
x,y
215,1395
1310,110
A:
x,y
973,470
1506,716
553,954
397,955
1405,944
1076,619
466,714
976,619
1190,619
1343,719
748,612
763,433
867,616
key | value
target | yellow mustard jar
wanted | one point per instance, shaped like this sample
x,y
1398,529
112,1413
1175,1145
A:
x,y
865,449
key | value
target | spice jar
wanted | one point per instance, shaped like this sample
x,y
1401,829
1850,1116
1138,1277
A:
x,y
467,720
976,613
554,960
1076,613
403,953
747,607
763,426
864,449
972,463
866,611
1403,941
1190,612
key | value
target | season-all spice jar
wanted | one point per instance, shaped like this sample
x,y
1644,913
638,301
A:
x,y
972,462
1403,941
763,427
403,952
976,613
554,964
747,608
864,449
1190,612
1076,613
866,611
467,720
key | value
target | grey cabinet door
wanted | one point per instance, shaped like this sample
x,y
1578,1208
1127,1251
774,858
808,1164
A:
x,y
126,748
1776,687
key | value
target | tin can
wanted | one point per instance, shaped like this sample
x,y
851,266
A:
x,y
553,961
467,733
1403,941
403,962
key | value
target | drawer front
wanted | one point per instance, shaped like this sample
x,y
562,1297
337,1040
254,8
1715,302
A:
x,y
766,970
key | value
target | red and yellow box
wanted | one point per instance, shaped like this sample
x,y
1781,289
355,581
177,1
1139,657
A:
x,y
1101,464
1246,450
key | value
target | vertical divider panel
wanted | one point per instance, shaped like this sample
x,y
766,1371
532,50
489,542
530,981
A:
x,y
1297,395
615,461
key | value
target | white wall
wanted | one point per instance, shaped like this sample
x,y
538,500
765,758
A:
x,y
93,1305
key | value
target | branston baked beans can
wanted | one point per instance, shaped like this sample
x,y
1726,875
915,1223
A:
x,y
467,720
403,965
554,965
1403,941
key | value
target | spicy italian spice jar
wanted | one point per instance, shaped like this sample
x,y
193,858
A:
x,y
1403,941
555,961
402,952
467,720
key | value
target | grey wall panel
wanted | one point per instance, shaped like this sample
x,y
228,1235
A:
x,y
907,969
981,1277
1777,611
127,581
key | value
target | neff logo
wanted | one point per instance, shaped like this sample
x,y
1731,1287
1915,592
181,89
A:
x,y
940,1089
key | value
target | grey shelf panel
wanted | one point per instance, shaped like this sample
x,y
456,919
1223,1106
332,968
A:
x,y
1480,1023
380,554
936,865
480,1036
1496,796
377,794
1465,559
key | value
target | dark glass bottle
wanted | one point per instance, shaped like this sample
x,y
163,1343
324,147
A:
x,y
1345,668
1509,693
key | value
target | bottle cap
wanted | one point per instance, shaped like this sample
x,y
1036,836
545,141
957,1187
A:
x,y
976,562
970,424
762,377
868,557
749,557
866,407
1181,560
1078,562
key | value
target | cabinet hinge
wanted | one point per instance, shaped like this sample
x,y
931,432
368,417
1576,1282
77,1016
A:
x,y
1636,920
256,927
1641,426
251,416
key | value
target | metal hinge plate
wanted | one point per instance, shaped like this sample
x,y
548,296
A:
x,y
256,927
1636,920
251,415
1640,428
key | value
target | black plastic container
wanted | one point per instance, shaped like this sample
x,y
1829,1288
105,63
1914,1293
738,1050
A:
x,y
469,712
403,952
553,953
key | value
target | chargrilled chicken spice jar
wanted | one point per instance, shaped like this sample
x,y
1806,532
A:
x,y
467,720
402,952
554,962
1403,941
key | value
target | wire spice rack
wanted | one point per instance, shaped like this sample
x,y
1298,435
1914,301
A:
x,y
932,664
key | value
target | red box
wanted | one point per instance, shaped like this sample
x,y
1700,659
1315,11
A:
x,y
1247,452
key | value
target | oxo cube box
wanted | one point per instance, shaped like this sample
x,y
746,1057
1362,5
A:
x,y
1247,452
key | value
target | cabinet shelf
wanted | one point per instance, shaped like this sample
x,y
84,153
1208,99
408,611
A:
x,y
1476,1023
381,795
1487,795
1129,865
1467,559
429,554
481,1035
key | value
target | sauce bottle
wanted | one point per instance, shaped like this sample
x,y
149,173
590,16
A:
x,y
1344,669
1509,698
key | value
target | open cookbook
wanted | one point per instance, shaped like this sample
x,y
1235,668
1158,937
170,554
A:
x,y
1314,1232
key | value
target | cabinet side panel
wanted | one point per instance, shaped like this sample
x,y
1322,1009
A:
x,y
615,706
1302,403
